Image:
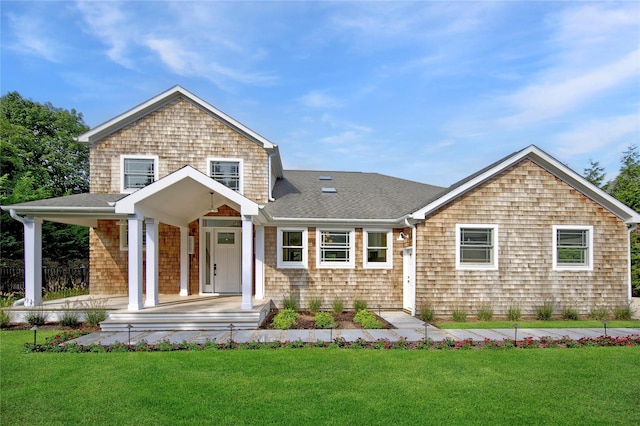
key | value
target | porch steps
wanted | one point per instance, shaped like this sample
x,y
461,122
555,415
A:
x,y
148,321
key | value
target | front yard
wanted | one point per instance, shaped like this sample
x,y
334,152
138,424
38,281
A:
x,y
319,386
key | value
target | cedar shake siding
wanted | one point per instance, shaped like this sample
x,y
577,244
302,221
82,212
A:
x,y
180,134
525,202
375,286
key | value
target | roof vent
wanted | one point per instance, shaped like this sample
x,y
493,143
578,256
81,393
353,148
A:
x,y
328,190
324,177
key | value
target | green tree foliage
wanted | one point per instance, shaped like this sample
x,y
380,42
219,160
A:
x,y
39,158
594,173
626,188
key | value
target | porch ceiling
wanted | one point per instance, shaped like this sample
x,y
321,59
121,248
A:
x,y
182,197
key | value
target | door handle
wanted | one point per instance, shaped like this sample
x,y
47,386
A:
x,y
215,268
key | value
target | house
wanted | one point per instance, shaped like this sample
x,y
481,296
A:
x,y
185,200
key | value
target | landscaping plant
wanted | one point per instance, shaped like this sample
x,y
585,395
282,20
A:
x,y
337,306
427,313
359,305
285,319
325,320
315,304
485,313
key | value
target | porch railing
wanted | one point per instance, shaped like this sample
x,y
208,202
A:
x,y
53,279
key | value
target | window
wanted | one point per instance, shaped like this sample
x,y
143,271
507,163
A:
x,y
292,247
572,247
477,246
377,249
124,235
335,248
138,172
228,172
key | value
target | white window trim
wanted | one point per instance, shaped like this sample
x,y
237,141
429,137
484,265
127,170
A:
x,y
336,265
303,264
554,249
123,157
240,162
478,266
365,246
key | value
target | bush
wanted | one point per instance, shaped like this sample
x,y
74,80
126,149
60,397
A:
x,y
325,320
95,311
290,302
599,313
4,319
37,317
622,312
544,312
69,319
427,313
337,306
359,305
514,313
367,319
485,313
314,305
459,315
285,319
569,313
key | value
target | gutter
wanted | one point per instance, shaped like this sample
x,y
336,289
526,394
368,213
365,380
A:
x,y
20,219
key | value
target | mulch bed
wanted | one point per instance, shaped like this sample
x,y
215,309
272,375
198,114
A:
x,y
306,321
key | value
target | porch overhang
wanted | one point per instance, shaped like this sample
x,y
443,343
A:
x,y
183,196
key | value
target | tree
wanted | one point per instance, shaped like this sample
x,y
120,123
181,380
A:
x,y
39,158
594,173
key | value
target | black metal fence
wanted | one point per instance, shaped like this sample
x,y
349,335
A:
x,y
53,279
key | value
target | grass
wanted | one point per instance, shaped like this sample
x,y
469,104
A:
x,y
319,386
538,324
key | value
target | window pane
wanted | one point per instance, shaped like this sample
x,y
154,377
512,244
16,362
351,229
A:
x,y
377,255
226,238
377,239
227,173
292,238
572,246
334,246
138,172
476,245
292,255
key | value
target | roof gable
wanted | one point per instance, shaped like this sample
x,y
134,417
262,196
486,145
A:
x,y
548,163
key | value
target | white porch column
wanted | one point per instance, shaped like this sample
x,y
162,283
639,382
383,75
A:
x,y
247,262
135,263
152,262
32,261
259,262
184,261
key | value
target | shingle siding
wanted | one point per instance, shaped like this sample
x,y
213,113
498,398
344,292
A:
x,y
525,201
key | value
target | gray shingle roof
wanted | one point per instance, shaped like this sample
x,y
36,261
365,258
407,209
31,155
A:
x,y
75,201
358,196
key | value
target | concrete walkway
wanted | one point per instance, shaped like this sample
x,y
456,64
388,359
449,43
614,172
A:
x,y
408,327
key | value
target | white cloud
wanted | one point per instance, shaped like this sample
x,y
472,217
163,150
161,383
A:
x,y
554,97
32,37
320,99
597,135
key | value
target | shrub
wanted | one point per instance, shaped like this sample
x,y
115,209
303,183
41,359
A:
x,y
285,319
359,305
427,313
337,306
569,313
622,312
599,313
290,302
325,320
485,313
5,319
367,319
314,305
95,311
544,312
37,317
514,313
459,315
69,318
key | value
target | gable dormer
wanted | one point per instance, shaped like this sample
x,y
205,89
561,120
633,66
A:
x,y
177,129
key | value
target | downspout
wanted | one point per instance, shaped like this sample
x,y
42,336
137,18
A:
x,y
14,215
413,263
269,182
631,229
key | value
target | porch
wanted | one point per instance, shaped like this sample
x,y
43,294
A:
x,y
173,313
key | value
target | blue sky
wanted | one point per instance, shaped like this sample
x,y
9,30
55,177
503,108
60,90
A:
x,y
428,91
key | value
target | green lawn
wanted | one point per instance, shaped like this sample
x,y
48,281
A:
x,y
537,324
319,386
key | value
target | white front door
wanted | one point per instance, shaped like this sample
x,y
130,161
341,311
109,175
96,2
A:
x,y
408,290
222,261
